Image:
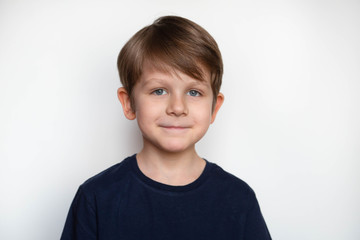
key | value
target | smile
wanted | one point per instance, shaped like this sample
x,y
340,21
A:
x,y
175,128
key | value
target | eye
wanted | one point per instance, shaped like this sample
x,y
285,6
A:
x,y
194,93
159,92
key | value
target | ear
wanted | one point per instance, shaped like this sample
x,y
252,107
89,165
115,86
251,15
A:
x,y
219,102
126,103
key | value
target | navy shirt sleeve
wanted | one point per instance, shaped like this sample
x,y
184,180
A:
x,y
81,220
255,226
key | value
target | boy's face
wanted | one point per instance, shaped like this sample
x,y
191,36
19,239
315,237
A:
x,y
173,111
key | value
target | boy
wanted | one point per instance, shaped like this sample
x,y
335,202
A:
x,y
171,74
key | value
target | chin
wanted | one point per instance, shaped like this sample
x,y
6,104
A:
x,y
175,147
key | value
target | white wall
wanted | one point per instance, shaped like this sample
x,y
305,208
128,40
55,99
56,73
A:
x,y
289,126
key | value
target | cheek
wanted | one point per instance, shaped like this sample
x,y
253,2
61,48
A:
x,y
147,113
203,114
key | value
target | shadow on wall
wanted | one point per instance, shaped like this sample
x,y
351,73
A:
x,y
130,138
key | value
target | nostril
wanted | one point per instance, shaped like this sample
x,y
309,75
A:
x,y
177,106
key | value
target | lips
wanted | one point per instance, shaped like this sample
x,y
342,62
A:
x,y
174,127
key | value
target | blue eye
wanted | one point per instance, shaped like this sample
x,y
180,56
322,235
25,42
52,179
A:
x,y
194,93
159,92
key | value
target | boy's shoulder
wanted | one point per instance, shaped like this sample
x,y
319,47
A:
x,y
230,182
110,176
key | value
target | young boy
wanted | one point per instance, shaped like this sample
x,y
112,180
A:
x,y
171,74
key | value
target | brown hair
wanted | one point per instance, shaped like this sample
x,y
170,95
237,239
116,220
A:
x,y
171,42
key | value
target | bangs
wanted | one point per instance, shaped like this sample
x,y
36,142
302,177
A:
x,y
166,65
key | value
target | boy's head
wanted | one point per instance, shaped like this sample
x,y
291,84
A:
x,y
171,43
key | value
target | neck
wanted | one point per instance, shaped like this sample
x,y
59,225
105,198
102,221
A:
x,y
172,168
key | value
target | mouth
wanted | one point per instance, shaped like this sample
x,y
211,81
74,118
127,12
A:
x,y
175,128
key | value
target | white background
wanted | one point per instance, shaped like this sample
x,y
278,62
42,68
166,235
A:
x,y
289,125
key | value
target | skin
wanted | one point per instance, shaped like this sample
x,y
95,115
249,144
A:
x,y
173,111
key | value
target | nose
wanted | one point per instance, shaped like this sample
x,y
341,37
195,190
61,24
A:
x,y
177,105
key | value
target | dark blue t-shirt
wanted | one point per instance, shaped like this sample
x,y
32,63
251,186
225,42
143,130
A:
x,y
122,203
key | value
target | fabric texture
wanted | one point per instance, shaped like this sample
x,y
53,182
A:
x,y
122,203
